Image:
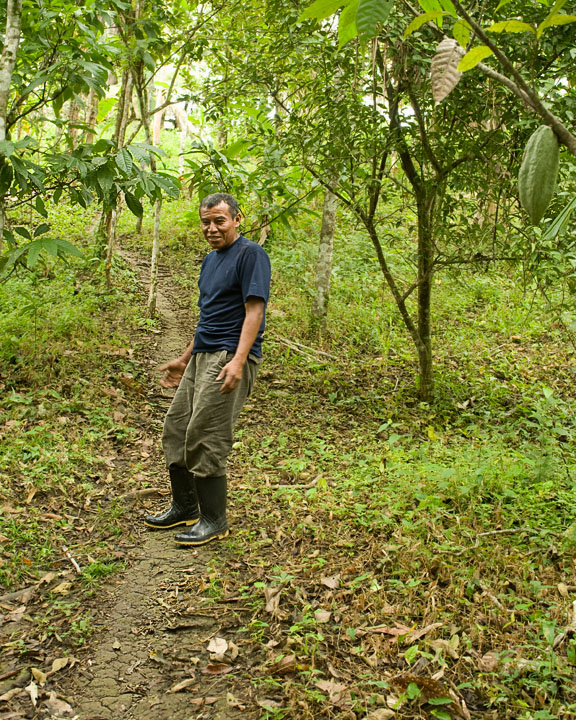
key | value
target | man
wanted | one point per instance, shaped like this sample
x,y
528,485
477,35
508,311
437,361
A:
x,y
214,375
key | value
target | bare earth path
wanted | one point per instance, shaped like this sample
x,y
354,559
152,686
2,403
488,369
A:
x,y
151,656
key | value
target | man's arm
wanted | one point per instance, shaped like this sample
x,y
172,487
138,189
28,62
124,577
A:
x,y
174,369
231,373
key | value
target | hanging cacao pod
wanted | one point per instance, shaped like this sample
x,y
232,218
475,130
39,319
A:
x,y
538,172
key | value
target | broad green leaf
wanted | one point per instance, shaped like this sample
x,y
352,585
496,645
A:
x,y
430,5
370,15
473,57
461,32
134,205
440,701
558,226
41,229
105,178
66,247
555,20
7,147
510,26
448,6
502,3
347,24
417,23
321,9
124,161
40,207
34,249
23,232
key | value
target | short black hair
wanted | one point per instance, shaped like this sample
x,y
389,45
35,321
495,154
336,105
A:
x,y
211,201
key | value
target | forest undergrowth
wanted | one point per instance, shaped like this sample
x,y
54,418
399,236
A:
x,y
387,558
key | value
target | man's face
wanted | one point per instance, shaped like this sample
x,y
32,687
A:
x,y
218,226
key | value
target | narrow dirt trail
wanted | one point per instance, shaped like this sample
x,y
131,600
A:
x,y
154,631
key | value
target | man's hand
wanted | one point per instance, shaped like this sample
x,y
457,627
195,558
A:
x,y
173,372
231,373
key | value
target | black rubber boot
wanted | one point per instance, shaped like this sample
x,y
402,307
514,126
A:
x,y
212,524
184,508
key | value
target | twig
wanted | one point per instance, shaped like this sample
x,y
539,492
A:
x,y
69,556
484,534
302,348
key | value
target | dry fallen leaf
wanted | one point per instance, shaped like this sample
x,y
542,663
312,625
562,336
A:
x,y
58,707
182,685
116,645
7,696
62,588
38,675
32,690
272,595
332,582
218,669
338,693
282,666
322,616
489,661
380,714
58,664
203,701
217,646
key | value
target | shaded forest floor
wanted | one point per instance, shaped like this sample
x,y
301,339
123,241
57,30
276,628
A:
x,y
385,560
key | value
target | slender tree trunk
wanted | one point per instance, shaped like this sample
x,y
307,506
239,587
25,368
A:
x,y
111,223
108,223
155,253
425,262
91,115
324,263
7,64
153,292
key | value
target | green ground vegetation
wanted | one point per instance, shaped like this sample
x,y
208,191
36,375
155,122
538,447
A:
x,y
366,524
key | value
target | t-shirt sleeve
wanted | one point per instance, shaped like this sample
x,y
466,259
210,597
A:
x,y
255,273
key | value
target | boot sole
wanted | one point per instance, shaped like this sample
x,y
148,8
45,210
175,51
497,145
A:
x,y
197,543
167,527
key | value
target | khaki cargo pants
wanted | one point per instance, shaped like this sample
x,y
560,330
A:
x,y
198,429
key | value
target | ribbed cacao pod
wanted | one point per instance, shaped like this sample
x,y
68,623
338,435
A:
x,y
538,172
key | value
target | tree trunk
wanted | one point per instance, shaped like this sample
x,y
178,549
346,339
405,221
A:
x,y
324,263
425,262
107,230
91,115
153,292
7,64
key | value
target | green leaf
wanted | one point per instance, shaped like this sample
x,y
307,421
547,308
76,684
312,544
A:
x,y
510,26
440,701
502,3
7,148
558,226
40,207
124,161
413,691
321,9
134,205
430,5
448,6
105,178
41,229
104,107
556,20
347,29
66,247
23,232
461,32
473,57
417,23
371,14
441,714
57,195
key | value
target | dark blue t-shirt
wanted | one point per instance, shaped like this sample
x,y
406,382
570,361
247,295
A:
x,y
227,279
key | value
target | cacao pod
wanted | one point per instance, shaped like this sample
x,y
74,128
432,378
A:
x,y
538,172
